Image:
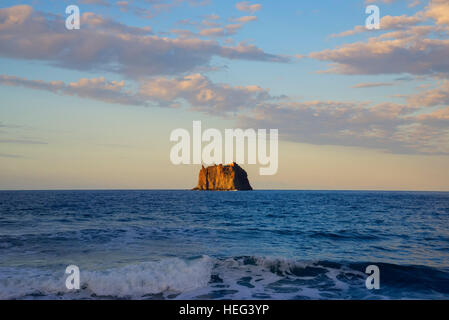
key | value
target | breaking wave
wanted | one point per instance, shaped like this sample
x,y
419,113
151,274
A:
x,y
245,277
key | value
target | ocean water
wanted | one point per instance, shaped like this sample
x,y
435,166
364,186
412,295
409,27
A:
x,y
224,245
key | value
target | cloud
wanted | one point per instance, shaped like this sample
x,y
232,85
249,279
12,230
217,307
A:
x,y
214,32
164,69
232,28
244,19
187,22
183,33
372,84
357,29
424,138
196,90
225,31
408,48
2,125
412,3
209,23
396,128
99,23
248,7
400,22
14,16
408,51
21,141
128,7
433,97
390,127
212,16
441,114
439,11
203,95
103,44
386,23
96,88
215,29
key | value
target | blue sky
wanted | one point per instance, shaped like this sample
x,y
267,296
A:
x,y
262,64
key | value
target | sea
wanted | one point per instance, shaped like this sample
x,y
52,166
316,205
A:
x,y
179,244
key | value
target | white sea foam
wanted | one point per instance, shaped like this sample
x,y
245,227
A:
x,y
205,277
133,281
273,278
200,278
168,275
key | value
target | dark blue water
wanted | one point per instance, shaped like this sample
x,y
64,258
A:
x,y
224,245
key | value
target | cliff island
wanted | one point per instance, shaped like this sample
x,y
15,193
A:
x,y
223,178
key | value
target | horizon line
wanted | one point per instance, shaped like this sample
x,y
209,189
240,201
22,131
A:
x,y
188,189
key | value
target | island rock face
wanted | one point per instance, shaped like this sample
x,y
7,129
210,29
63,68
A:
x,y
223,178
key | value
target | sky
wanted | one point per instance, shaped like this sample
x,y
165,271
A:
x,y
93,108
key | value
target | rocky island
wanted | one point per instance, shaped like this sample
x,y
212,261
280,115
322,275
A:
x,y
223,178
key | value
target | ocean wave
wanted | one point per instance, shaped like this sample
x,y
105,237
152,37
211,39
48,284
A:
x,y
245,277
167,276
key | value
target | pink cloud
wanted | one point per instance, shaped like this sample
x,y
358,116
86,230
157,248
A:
x,y
248,6
103,44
